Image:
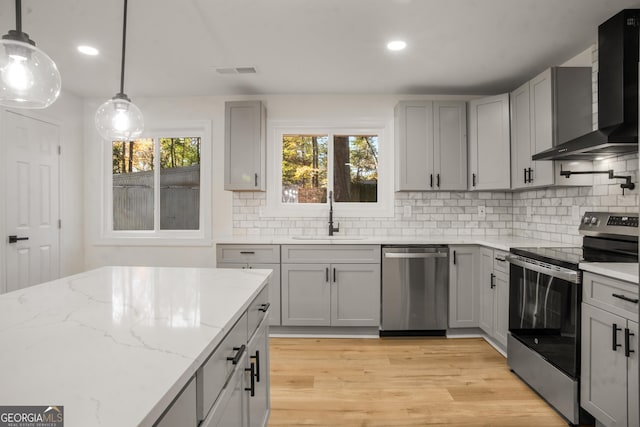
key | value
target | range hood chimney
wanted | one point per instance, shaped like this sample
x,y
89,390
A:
x,y
617,95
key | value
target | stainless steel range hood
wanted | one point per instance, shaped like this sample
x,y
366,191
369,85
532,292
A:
x,y
617,95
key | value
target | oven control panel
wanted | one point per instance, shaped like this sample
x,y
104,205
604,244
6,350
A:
x,y
609,223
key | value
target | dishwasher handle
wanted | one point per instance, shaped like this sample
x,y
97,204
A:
x,y
416,255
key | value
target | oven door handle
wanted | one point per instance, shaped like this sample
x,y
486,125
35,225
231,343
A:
x,y
557,272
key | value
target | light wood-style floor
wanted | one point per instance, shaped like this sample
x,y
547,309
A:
x,y
399,382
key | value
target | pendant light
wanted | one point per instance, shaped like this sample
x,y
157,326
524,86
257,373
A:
x,y
119,119
28,77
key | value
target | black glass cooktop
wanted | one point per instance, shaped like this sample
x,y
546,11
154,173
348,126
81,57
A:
x,y
568,257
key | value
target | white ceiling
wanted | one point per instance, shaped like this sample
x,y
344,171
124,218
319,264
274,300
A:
x,y
310,46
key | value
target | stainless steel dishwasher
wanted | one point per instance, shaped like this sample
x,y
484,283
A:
x,y
415,290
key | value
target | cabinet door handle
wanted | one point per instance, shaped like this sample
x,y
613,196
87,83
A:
x,y
627,347
530,175
493,283
257,359
625,298
326,274
255,177
264,307
614,342
252,389
454,257
438,180
431,180
334,275
525,175
239,352
473,178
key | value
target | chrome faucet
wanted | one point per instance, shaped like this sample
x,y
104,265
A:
x,y
332,229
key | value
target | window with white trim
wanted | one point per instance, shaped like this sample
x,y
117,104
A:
x,y
310,162
157,186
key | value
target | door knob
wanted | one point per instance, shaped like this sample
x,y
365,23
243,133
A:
x,y
14,239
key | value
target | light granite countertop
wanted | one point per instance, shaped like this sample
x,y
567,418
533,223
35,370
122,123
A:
x,y
627,271
116,345
496,242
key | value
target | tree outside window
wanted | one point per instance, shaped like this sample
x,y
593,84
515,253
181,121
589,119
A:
x,y
306,168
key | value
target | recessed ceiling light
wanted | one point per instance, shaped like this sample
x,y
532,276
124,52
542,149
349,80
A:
x,y
599,158
88,50
396,45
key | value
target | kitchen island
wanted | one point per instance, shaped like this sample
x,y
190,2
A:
x,y
116,345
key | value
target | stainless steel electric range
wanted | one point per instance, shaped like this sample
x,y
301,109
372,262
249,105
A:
x,y
545,293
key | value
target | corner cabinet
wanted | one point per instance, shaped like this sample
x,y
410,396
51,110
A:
x,y
463,292
489,143
431,145
494,295
552,108
330,285
255,256
609,351
244,146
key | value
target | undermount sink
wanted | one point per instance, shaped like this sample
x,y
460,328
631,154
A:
x,y
328,238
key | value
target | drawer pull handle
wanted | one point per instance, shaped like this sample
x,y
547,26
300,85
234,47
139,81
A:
x,y
625,298
247,253
500,259
239,352
627,347
614,342
264,307
252,389
257,359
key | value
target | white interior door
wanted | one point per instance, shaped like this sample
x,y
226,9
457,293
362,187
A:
x,y
31,176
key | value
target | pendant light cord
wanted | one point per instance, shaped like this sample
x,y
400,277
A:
x,y
19,16
124,44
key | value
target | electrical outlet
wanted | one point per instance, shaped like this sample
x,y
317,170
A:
x,y
482,212
407,211
529,213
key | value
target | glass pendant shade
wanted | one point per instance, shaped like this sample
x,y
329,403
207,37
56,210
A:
x,y
28,77
119,119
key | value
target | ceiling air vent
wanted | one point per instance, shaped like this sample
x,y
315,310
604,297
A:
x,y
236,70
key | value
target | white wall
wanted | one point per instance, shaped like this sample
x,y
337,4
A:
x,y
67,112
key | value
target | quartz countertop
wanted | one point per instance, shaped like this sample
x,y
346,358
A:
x,y
116,345
627,271
496,242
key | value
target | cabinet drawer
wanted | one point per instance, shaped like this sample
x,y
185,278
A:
x,y
257,310
214,373
182,411
611,295
353,254
499,261
247,253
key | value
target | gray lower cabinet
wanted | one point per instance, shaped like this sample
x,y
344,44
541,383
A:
x,y
609,351
259,401
331,294
330,285
182,411
255,256
494,295
231,408
463,291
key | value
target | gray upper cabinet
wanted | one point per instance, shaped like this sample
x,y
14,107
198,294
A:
x,y
431,145
489,143
245,146
551,108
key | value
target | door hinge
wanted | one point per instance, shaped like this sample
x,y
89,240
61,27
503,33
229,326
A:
x,y
59,150
59,223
